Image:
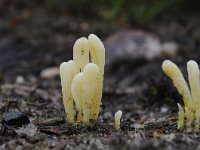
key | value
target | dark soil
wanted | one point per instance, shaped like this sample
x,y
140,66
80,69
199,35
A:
x,y
33,40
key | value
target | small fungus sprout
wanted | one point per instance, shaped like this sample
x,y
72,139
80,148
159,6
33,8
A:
x,y
82,80
118,116
189,115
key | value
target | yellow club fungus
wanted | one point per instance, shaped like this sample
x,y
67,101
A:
x,y
97,52
81,53
82,80
76,89
90,81
118,116
67,74
189,116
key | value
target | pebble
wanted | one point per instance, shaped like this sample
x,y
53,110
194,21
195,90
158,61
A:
x,y
49,73
133,44
138,126
108,115
20,80
15,118
164,109
30,130
169,49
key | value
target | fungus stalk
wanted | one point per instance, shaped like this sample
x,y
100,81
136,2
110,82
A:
x,y
97,52
76,89
90,81
67,74
82,80
118,116
189,116
180,116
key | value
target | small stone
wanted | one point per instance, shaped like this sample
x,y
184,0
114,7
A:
x,y
138,126
169,48
50,73
14,118
136,44
164,109
132,44
20,80
29,130
107,115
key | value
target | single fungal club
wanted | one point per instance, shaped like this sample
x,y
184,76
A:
x,y
118,116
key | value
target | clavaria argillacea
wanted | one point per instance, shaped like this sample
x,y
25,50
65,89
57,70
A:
x,y
189,115
118,116
82,80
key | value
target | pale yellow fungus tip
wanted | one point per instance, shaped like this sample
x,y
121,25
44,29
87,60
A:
x,y
97,51
179,82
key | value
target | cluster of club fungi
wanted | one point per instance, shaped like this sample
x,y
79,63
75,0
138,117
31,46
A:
x,y
82,84
189,115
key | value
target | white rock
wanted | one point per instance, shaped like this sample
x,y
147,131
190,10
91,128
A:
x,y
169,48
30,130
50,73
164,109
20,80
133,44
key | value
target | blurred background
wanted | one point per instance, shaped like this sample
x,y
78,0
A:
x,y
43,26
36,36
